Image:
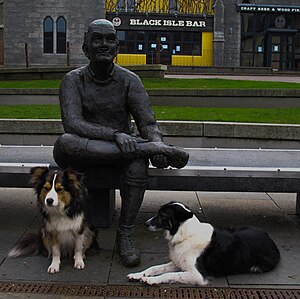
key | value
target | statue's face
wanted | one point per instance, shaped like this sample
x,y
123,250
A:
x,y
103,44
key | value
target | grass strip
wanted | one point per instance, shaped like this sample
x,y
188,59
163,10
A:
x,y
216,84
155,83
253,115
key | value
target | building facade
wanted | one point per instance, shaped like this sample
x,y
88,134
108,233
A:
x,y
167,32
233,33
46,32
270,34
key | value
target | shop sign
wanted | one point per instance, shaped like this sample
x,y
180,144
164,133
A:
x,y
265,8
167,23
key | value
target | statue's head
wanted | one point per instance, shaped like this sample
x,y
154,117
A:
x,y
100,41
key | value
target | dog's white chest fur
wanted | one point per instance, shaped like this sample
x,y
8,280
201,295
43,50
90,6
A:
x,y
188,243
67,229
62,223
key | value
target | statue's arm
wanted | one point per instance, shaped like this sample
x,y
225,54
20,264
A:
x,y
144,118
72,115
142,112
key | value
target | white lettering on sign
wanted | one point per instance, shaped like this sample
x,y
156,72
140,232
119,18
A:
x,y
173,23
268,8
195,24
168,23
248,8
138,22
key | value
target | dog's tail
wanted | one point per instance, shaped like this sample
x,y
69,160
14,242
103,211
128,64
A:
x,y
30,244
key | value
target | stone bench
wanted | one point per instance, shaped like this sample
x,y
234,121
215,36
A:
x,y
226,170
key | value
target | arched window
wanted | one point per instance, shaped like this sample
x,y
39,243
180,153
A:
x,y
48,35
61,35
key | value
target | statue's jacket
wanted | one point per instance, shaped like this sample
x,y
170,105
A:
x,y
98,109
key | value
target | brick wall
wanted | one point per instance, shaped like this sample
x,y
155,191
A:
x,y
24,24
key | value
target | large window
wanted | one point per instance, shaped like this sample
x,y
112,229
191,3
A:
x,y
61,36
270,40
181,43
59,39
187,43
48,35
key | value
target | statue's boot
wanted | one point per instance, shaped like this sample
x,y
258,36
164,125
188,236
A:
x,y
80,148
176,156
132,194
125,247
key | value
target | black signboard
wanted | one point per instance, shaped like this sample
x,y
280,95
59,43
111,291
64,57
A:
x,y
267,8
169,22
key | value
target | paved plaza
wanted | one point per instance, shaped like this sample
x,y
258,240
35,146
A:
x,y
273,212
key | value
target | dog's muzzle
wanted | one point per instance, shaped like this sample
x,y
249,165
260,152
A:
x,y
150,225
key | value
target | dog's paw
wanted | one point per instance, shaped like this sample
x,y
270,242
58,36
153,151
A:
x,y
135,276
150,280
53,268
79,264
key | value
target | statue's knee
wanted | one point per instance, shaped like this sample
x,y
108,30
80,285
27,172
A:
x,y
68,148
60,146
69,143
137,169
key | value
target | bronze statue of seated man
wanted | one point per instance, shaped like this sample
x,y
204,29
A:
x,y
97,102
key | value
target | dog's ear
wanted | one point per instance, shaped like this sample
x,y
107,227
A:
x,y
184,215
37,173
74,178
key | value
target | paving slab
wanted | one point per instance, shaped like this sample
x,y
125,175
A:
x,y
18,215
264,213
286,201
286,274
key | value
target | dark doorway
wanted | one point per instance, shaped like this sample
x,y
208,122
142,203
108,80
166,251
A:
x,y
159,48
280,53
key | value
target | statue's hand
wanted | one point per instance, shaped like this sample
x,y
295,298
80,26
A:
x,y
159,161
127,144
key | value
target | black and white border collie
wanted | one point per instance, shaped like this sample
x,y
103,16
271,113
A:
x,y
199,250
61,199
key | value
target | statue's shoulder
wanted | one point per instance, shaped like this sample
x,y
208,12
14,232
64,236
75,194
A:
x,y
125,73
76,73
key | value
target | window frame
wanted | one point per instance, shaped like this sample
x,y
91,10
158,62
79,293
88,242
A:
x,y
48,41
61,41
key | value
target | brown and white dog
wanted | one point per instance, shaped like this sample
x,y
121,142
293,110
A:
x,y
198,250
61,199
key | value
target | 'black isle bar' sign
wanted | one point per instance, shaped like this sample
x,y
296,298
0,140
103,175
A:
x,y
267,8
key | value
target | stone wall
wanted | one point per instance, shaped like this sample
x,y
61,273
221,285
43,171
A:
x,y
24,24
232,34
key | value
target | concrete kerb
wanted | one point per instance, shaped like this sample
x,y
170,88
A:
x,y
181,133
38,73
227,98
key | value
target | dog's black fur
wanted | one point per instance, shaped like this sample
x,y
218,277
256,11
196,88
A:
x,y
220,251
235,251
